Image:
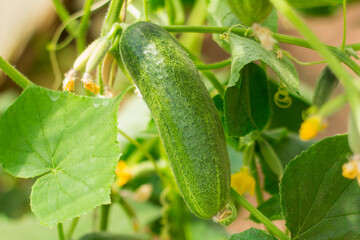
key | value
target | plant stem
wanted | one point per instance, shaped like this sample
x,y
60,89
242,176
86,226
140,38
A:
x,y
279,37
255,174
146,153
240,31
130,212
14,74
112,16
72,227
344,28
344,77
64,17
84,24
105,209
256,213
61,231
170,11
146,11
213,66
214,81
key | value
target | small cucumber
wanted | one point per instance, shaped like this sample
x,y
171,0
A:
x,y
250,11
184,113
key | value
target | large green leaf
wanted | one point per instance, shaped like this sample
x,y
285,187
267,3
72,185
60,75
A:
x,y
69,142
220,15
317,202
247,106
252,234
312,3
245,50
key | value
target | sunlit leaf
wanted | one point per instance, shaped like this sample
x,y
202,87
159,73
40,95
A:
x,y
69,143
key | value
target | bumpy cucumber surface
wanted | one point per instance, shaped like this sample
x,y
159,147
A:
x,y
184,113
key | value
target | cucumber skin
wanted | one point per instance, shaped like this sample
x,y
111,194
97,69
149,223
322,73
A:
x,y
184,114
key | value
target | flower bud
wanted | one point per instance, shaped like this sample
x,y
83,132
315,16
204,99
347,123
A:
x,y
98,54
81,61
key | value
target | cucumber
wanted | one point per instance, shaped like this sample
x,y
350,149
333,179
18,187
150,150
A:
x,y
184,114
250,11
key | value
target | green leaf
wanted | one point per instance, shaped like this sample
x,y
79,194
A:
x,y
271,209
252,234
247,106
317,201
220,15
325,86
69,142
245,50
312,3
287,117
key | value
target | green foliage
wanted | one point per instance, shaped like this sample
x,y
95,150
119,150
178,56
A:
x,y
68,145
220,15
318,203
247,106
245,50
43,135
290,117
252,234
325,86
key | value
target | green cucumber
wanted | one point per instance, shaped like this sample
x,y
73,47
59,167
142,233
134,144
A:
x,y
184,113
250,11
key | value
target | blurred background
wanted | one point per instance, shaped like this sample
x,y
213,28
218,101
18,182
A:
x,y
27,30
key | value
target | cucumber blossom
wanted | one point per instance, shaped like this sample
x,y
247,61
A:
x,y
184,113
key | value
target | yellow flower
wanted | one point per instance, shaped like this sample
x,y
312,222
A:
x,y
69,80
243,182
89,84
123,172
311,127
351,169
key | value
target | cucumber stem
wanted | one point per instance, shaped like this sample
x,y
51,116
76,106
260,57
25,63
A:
x,y
105,209
61,231
14,74
84,24
343,45
213,66
72,228
255,174
256,213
